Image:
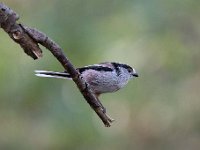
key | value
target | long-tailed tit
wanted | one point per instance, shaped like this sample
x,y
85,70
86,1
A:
x,y
102,78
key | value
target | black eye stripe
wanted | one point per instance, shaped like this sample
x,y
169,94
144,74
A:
x,y
126,66
130,69
103,68
97,68
116,67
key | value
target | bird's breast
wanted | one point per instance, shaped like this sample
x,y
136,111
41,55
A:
x,y
104,82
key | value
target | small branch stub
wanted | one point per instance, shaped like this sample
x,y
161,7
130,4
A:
x,y
16,35
8,22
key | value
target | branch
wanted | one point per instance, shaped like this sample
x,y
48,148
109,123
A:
x,y
29,38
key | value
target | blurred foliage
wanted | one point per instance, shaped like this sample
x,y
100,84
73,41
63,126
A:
x,y
158,111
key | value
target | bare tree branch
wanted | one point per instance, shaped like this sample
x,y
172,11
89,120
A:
x,y
29,38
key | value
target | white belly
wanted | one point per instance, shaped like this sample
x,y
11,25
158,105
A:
x,y
104,83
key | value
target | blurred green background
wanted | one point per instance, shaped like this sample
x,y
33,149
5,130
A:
x,y
158,111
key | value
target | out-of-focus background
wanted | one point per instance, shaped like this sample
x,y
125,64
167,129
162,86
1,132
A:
x,y
160,110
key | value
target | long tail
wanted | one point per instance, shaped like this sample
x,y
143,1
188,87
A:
x,y
52,74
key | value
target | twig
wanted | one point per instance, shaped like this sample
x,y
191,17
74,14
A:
x,y
29,38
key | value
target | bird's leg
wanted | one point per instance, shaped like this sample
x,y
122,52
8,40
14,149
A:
x,y
110,120
97,95
104,109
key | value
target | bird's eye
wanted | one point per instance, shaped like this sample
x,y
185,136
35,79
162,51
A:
x,y
129,70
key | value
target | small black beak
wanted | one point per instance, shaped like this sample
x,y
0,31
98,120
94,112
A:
x,y
135,75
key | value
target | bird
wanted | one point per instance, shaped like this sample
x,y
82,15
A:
x,y
106,77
